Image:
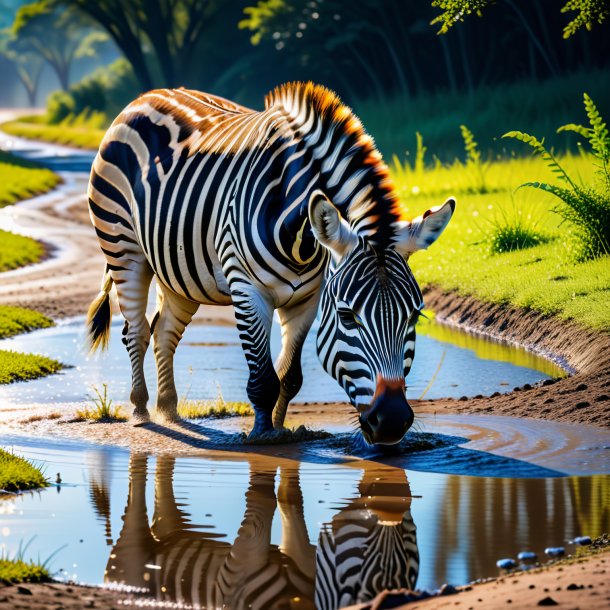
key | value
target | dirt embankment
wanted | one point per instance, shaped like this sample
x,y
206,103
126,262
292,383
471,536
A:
x,y
583,397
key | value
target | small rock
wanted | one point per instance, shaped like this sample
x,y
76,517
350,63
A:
x,y
582,540
602,397
527,556
548,382
547,601
548,401
463,398
554,551
574,587
506,564
582,404
580,387
527,386
23,590
478,396
447,589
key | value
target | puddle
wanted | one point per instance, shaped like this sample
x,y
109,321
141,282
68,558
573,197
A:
x,y
245,530
210,359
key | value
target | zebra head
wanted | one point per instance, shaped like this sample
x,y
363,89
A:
x,y
369,306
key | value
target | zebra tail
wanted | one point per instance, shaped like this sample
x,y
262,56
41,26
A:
x,y
99,315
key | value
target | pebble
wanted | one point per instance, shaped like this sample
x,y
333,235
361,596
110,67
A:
x,y
527,556
554,551
582,540
447,589
547,601
506,564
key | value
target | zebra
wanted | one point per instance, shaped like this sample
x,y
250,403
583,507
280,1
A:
x,y
270,211
370,544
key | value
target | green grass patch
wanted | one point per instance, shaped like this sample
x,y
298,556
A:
x,y
18,250
16,320
83,131
15,366
544,277
21,179
214,409
103,410
18,570
19,474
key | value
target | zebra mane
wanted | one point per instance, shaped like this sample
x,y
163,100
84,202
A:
x,y
374,209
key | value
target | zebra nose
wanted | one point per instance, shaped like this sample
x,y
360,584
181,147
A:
x,y
389,416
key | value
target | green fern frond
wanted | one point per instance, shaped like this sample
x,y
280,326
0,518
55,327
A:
x,y
599,137
579,129
470,145
590,12
547,156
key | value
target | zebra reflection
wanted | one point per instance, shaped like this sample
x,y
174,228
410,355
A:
x,y
370,545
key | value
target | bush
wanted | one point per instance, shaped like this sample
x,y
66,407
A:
x,y
105,92
587,207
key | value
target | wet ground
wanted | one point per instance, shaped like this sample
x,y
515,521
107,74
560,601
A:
x,y
242,527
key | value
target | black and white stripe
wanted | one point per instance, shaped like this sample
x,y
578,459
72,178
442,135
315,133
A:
x,y
220,204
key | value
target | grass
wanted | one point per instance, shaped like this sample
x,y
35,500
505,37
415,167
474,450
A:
x,y
18,250
21,179
544,277
15,366
216,408
15,320
18,570
80,132
533,106
42,417
103,410
19,474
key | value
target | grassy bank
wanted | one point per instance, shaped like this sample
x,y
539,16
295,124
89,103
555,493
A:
x,y
544,277
16,320
15,366
18,250
19,474
80,134
21,179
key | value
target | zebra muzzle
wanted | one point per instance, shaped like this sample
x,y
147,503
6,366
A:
x,y
389,416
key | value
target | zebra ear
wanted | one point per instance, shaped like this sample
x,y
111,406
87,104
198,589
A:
x,y
330,229
423,231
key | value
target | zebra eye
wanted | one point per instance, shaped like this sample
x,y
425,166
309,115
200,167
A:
x,y
350,319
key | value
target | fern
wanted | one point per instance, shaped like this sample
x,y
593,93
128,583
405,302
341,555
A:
x,y
590,12
586,207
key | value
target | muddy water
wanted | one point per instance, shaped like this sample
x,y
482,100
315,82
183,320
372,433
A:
x,y
245,530
210,360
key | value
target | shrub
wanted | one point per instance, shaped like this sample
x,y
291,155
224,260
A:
x,y
587,207
15,366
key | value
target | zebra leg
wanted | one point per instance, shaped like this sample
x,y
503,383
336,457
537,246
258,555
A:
x,y
295,320
132,284
254,314
295,539
173,315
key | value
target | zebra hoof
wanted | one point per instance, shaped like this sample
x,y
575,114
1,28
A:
x,y
138,418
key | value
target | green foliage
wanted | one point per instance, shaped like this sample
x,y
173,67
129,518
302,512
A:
x,y
103,93
586,206
103,410
21,179
455,10
74,131
545,277
258,17
15,366
18,474
16,320
17,570
590,12
18,250
474,163
514,232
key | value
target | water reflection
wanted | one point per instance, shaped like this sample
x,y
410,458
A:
x,y
369,545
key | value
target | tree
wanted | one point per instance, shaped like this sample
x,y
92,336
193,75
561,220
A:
x,y
28,65
154,35
590,12
57,35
